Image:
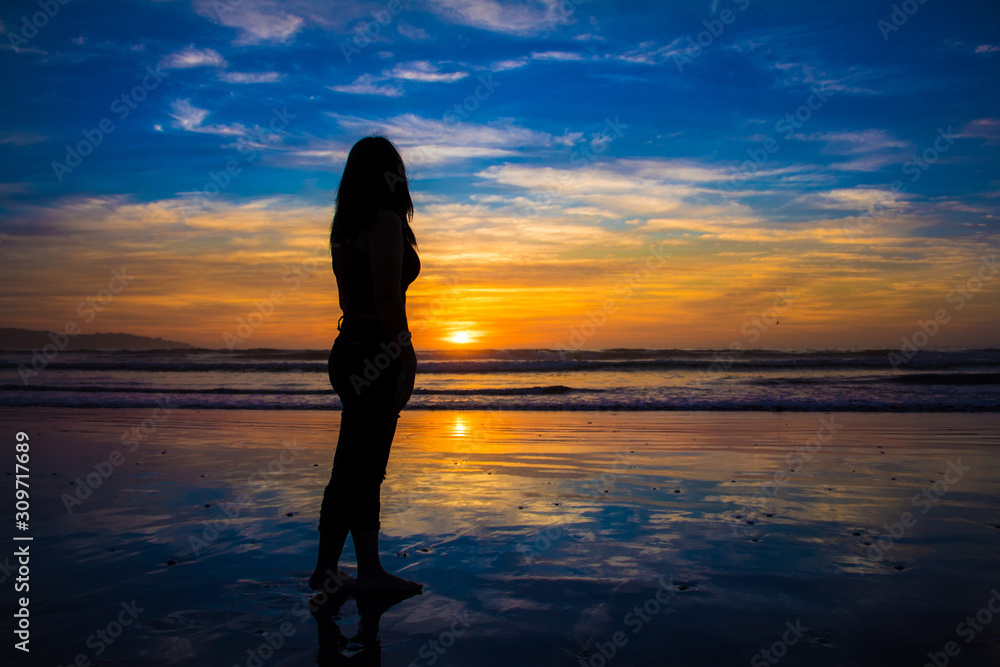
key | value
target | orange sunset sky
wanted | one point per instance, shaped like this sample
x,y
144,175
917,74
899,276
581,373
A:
x,y
504,281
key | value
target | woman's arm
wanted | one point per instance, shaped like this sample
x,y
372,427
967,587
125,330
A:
x,y
385,252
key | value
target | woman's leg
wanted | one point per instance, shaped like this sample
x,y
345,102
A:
x,y
355,491
328,574
365,522
367,427
371,575
333,526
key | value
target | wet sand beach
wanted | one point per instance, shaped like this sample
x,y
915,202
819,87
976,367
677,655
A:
x,y
541,538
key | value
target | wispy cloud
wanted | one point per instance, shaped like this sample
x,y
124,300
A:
x,y
423,70
556,55
855,141
4,46
251,77
412,32
860,198
367,84
505,17
418,70
622,189
872,149
869,163
322,154
429,141
187,117
644,53
852,80
256,21
21,138
987,48
412,129
19,188
791,55
514,63
192,57
649,53
190,118
983,128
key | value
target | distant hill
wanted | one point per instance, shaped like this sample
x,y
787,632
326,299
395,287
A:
x,y
27,339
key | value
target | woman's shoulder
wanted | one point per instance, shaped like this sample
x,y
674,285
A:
x,y
385,218
385,225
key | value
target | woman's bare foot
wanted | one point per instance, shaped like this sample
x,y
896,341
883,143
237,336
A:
x,y
330,582
385,582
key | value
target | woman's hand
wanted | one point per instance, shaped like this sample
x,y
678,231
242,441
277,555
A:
x,y
404,388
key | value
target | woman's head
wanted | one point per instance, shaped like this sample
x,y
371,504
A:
x,y
374,179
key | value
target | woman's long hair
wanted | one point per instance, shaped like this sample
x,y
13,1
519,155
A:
x,y
374,179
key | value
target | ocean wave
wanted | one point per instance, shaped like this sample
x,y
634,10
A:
x,y
97,389
550,390
730,405
645,380
521,361
904,378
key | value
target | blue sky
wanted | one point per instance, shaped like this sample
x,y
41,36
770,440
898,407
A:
x,y
550,144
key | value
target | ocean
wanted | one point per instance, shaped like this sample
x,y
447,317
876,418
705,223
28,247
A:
x,y
635,379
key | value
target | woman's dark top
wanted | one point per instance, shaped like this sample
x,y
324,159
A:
x,y
353,270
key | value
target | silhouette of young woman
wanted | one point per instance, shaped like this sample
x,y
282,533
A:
x,y
372,362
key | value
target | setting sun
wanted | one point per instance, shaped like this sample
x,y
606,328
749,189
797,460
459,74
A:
x,y
461,337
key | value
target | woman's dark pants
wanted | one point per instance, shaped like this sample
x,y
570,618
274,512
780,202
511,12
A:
x,y
364,370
